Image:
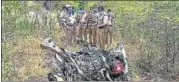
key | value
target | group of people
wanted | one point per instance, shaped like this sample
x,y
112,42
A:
x,y
93,25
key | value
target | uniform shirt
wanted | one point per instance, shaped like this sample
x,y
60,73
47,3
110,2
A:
x,y
98,15
105,19
83,17
71,11
63,15
101,14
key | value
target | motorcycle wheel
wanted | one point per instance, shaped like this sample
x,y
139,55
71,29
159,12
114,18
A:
x,y
122,77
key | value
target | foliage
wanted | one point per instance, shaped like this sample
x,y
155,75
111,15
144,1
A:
x,y
148,29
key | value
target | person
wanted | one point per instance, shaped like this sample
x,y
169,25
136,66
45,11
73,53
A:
x,y
71,11
68,16
63,13
97,11
80,29
94,8
81,9
47,5
105,18
81,13
101,31
101,11
67,12
109,14
93,22
108,19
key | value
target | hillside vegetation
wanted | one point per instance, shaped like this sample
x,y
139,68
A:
x,y
149,31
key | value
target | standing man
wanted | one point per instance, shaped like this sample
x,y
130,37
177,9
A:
x,y
101,30
80,26
68,14
47,5
94,21
109,23
72,22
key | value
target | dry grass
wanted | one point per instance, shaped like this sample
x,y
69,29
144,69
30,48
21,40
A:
x,y
23,59
26,58
32,57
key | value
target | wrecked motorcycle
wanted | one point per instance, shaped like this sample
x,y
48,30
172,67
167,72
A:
x,y
89,64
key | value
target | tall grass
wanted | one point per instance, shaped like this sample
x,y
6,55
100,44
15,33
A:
x,y
149,31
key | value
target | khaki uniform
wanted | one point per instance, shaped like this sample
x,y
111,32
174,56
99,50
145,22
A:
x,y
94,34
101,38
